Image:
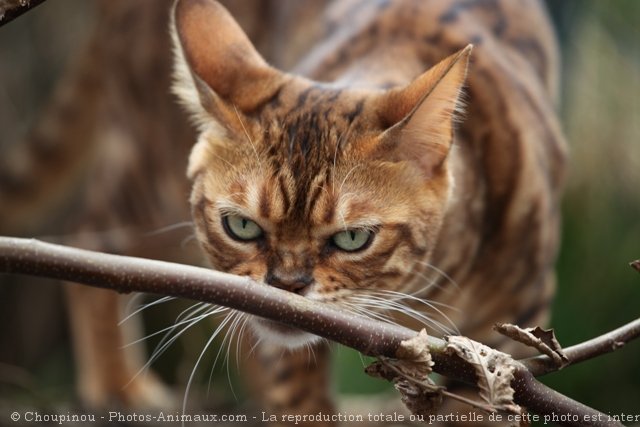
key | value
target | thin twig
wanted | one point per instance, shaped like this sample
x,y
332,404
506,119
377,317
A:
x,y
605,343
371,337
437,389
11,9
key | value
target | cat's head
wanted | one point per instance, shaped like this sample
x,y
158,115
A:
x,y
325,191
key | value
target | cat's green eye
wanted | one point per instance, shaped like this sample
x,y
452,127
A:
x,y
352,240
241,228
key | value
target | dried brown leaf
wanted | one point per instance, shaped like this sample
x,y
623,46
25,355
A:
x,y
543,340
410,375
419,400
380,370
414,361
494,370
414,356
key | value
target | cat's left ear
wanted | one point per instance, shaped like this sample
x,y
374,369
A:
x,y
422,115
218,74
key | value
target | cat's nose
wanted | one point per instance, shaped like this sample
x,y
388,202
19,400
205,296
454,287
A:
x,y
295,284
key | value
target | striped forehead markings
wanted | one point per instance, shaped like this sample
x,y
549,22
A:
x,y
299,206
286,201
264,202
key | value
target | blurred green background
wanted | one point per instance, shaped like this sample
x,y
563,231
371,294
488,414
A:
x,y
601,231
600,110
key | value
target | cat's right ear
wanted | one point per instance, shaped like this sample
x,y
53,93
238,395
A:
x,y
218,74
422,115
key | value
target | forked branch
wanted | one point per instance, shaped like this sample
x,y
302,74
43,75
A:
x,y
371,337
605,343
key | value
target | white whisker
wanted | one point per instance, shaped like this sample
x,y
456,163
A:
x,y
412,297
442,273
245,319
432,283
169,228
335,157
170,328
230,335
246,133
187,240
254,346
161,348
347,176
134,300
193,371
311,353
191,310
226,343
190,320
424,320
233,167
167,340
372,300
144,307
369,313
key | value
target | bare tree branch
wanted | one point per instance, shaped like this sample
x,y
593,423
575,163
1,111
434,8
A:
x,y
11,9
602,344
605,343
127,274
371,337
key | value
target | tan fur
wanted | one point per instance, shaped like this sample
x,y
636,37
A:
x,y
305,160
361,133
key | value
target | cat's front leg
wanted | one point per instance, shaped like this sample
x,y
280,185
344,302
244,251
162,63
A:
x,y
105,368
291,384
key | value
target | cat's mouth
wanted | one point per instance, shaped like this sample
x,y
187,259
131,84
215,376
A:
x,y
281,334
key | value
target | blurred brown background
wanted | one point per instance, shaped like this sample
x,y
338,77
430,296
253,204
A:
x,y
600,110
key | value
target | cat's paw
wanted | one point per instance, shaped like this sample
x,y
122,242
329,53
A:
x,y
145,391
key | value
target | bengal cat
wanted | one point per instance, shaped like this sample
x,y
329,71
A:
x,y
391,160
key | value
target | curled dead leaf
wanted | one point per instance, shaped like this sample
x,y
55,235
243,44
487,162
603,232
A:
x,y
543,340
419,400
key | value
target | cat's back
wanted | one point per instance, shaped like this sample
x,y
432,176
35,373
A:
x,y
338,32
